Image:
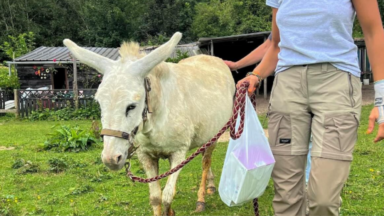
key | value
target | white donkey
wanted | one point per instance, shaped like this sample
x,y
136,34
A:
x,y
190,102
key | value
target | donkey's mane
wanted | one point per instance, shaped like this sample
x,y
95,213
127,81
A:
x,y
129,50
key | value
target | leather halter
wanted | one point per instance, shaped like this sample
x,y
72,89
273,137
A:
x,y
130,136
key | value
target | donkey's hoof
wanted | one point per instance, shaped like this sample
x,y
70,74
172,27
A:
x,y
200,206
211,190
170,212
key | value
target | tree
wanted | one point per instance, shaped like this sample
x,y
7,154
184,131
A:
x,y
165,17
219,18
19,45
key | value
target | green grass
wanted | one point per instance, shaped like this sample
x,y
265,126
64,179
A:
x,y
86,187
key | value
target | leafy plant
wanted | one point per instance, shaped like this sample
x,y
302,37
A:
x,y
57,164
65,114
69,138
18,163
19,45
24,167
8,82
180,56
81,190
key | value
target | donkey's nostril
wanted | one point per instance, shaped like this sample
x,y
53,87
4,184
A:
x,y
118,158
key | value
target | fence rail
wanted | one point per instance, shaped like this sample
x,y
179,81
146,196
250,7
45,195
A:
x,y
37,100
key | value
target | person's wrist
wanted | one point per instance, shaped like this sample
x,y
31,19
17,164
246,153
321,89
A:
x,y
257,74
236,66
379,93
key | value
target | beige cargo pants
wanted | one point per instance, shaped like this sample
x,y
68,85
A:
x,y
327,101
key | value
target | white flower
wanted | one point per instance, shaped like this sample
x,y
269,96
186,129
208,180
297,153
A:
x,y
47,70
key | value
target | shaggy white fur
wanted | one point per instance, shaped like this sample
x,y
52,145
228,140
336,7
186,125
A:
x,y
190,100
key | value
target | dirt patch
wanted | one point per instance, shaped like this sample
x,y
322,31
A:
x,y
3,148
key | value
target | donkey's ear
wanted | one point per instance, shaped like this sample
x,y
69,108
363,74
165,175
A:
x,y
145,65
96,61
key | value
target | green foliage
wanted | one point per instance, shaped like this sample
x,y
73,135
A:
x,y
19,45
81,190
24,167
18,163
8,82
222,18
57,165
165,17
67,113
180,56
362,194
69,138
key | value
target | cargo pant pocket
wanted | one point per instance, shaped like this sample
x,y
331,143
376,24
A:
x,y
280,132
340,135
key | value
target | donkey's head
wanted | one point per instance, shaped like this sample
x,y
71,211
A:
x,y
121,94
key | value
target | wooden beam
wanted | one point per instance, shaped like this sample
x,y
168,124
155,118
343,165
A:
x,y
16,101
8,111
75,88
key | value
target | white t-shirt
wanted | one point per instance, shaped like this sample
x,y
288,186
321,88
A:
x,y
316,31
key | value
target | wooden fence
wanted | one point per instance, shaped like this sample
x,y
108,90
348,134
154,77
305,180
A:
x,y
4,97
38,100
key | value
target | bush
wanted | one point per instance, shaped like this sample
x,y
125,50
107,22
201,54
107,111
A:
x,y
68,138
24,167
57,164
65,114
8,82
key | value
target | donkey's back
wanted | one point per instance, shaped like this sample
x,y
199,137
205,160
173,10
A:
x,y
205,95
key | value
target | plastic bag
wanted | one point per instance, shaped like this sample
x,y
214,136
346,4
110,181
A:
x,y
248,163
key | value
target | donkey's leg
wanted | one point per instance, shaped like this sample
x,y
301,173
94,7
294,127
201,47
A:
x,y
151,167
200,205
170,188
211,184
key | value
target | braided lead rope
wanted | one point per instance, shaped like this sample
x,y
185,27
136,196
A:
x,y
239,108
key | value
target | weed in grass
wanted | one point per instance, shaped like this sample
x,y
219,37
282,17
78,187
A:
x,y
100,177
6,205
28,167
98,160
18,163
57,164
102,198
80,190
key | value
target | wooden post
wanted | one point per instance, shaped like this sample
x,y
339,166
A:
x,y
212,51
265,88
75,89
16,95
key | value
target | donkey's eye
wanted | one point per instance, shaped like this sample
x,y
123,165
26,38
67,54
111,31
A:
x,y
129,108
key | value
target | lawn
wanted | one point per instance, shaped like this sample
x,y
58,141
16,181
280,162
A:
x,y
88,188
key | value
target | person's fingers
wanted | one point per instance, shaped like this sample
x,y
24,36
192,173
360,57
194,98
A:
x,y
372,119
380,133
252,85
240,82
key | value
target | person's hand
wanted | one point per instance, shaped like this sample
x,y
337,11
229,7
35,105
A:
x,y
231,65
253,83
372,119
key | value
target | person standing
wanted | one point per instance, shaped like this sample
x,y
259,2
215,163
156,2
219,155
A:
x,y
317,89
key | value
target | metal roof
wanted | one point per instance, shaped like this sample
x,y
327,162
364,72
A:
x,y
62,54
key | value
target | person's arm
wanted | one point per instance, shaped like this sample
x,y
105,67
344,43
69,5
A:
x,y
371,24
255,56
252,58
269,62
